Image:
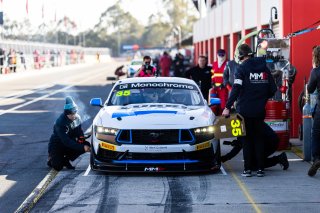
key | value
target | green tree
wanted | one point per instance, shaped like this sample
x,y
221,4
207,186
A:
x,y
118,27
181,13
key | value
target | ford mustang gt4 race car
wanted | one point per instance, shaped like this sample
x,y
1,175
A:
x,y
156,124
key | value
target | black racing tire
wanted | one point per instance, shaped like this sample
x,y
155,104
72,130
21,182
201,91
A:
x,y
217,156
111,78
214,156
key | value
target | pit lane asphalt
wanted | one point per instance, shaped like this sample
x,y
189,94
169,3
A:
x,y
24,137
29,104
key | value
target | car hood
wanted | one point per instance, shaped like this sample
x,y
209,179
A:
x,y
154,117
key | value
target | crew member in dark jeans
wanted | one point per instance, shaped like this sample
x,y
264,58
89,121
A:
x,y
253,86
314,84
67,141
271,142
201,74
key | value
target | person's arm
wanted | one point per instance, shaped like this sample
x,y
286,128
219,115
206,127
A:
x,y
137,74
226,74
236,88
312,84
66,140
272,85
188,73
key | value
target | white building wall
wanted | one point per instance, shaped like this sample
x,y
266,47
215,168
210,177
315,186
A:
x,y
217,22
265,10
250,14
236,15
226,17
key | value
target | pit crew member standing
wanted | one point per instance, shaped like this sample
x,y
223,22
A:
x,y
201,74
67,141
146,70
217,77
313,84
253,86
165,64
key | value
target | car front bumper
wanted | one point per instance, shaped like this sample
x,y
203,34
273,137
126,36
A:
x,y
165,158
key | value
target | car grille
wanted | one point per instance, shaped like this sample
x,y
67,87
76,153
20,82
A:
x,y
155,136
143,137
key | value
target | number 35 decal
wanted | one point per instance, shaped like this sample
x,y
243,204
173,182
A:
x,y
236,130
123,93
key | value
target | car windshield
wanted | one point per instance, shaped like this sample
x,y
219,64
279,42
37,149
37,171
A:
x,y
156,92
136,63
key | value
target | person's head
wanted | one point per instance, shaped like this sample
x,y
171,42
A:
x,y
245,52
316,56
70,108
202,61
146,60
151,95
165,53
221,55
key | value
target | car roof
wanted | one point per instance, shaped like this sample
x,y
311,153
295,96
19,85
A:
x,y
156,79
139,60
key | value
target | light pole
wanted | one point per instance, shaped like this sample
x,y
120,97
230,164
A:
x,y
177,30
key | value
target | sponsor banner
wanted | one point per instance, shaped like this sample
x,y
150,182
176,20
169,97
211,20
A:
x,y
278,126
142,85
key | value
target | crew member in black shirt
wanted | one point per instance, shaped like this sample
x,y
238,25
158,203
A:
x,y
253,86
201,74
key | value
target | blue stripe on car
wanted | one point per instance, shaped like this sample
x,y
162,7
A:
x,y
135,113
155,161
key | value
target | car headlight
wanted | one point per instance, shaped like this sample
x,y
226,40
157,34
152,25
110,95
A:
x,y
106,133
204,133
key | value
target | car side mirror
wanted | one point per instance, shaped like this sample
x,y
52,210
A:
x,y
96,102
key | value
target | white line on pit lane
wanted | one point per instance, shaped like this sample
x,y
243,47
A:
x,y
297,159
223,170
87,171
24,92
48,95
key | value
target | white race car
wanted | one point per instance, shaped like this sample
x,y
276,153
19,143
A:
x,y
133,67
154,124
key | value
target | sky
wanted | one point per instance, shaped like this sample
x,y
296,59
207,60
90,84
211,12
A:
x,y
85,13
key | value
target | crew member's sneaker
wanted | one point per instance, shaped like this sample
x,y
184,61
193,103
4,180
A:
x,y
314,168
283,161
246,173
260,173
68,165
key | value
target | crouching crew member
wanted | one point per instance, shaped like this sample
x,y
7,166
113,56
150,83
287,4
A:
x,y
271,142
67,141
253,86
